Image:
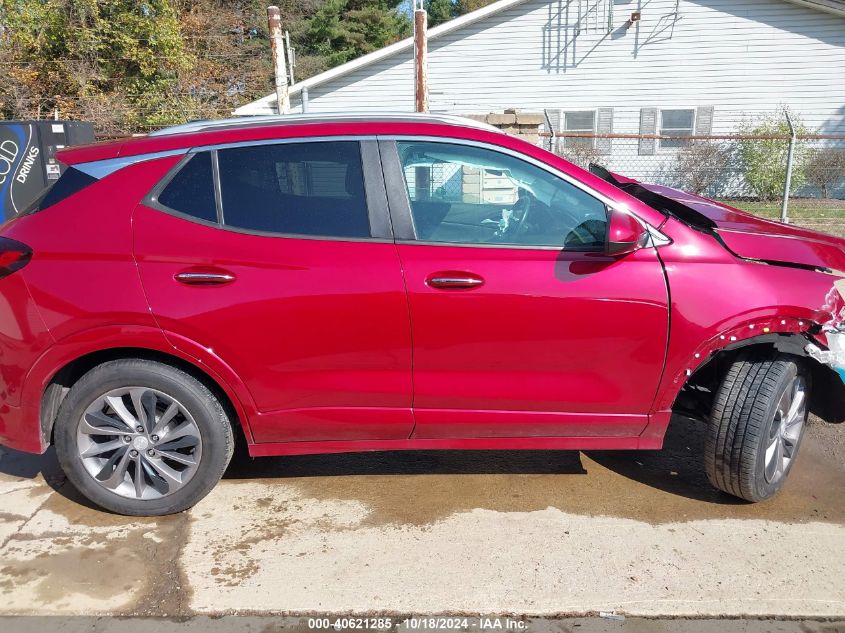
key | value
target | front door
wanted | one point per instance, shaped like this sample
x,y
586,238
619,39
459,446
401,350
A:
x,y
521,325
289,278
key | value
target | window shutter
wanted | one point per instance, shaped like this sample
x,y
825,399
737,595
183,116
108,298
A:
x,y
704,121
648,125
604,125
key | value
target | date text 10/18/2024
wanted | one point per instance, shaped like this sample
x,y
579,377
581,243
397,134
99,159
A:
x,y
426,623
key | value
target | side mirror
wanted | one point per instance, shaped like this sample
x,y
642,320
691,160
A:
x,y
625,234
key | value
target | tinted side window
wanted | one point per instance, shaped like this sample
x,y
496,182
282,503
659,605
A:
x,y
191,191
473,195
297,188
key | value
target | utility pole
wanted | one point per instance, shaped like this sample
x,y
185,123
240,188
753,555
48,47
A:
x,y
790,155
420,57
274,20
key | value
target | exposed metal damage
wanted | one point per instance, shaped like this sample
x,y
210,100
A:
x,y
833,331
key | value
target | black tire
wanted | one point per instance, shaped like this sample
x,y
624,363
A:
x,y
745,415
214,427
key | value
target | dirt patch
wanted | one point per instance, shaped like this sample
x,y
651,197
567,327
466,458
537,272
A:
x,y
419,488
156,545
102,572
167,590
100,555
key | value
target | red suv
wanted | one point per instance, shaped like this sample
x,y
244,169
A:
x,y
319,285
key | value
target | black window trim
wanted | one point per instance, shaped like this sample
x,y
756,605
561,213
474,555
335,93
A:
x,y
374,189
400,205
218,195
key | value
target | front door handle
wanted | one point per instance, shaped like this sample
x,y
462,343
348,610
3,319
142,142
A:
x,y
454,281
204,278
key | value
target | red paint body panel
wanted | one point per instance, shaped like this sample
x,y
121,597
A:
x,y
328,346
540,335
458,443
23,336
317,329
716,295
83,274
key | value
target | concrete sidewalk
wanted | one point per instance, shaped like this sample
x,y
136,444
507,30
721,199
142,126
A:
x,y
274,624
537,533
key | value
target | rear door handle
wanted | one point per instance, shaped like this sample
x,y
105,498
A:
x,y
204,278
454,281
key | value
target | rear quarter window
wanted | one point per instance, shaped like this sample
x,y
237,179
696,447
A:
x,y
71,181
191,190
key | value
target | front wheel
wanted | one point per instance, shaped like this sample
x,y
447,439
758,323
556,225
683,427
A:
x,y
142,438
756,424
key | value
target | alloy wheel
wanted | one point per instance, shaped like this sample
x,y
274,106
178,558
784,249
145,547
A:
x,y
139,443
785,430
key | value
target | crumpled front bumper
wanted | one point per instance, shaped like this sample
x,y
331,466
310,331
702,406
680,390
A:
x,y
833,331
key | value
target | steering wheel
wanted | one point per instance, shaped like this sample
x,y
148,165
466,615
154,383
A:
x,y
526,201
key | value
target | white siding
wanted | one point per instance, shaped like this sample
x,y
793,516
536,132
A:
x,y
742,57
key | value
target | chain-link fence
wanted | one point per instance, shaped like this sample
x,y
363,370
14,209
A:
x,y
748,172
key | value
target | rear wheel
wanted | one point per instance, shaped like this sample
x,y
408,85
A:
x,y
142,438
756,424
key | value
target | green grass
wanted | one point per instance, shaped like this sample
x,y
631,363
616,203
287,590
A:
x,y
827,216
799,209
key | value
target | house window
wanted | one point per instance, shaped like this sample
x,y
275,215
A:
x,y
676,123
583,121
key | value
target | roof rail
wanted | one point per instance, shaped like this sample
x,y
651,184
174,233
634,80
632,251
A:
x,y
328,117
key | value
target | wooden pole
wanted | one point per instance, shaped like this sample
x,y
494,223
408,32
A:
x,y
421,60
274,20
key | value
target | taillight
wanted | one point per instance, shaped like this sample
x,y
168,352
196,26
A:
x,y
13,256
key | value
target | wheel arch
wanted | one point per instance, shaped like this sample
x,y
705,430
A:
x,y
827,398
63,379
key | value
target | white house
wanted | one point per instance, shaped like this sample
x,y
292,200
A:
x,y
735,56
621,66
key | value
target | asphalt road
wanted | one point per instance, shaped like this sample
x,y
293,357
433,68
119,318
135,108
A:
x,y
538,533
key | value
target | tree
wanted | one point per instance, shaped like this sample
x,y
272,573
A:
x,y
440,11
134,65
826,168
69,53
342,30
764,159
701,165
466,6
581,154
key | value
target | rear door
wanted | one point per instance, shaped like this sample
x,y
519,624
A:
x,y
288,272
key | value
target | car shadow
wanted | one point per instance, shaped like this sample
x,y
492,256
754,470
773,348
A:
x,y
28,466
465,462
678,468
46,467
